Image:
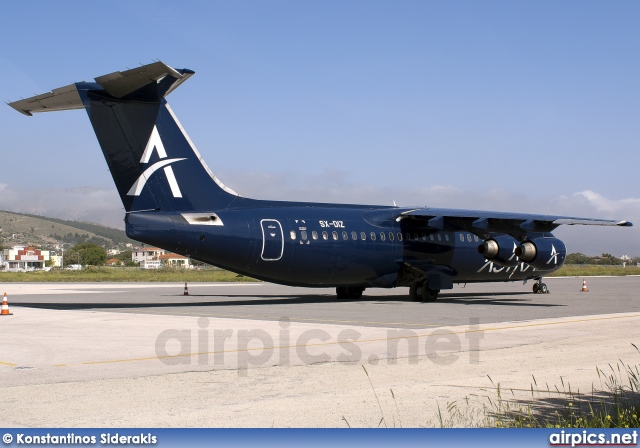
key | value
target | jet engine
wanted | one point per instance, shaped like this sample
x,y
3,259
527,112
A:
x,y
542,253
500,249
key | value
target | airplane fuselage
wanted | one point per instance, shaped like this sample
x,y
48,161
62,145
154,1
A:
x,y
306,244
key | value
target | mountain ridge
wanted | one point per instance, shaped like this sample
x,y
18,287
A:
x,y
35,230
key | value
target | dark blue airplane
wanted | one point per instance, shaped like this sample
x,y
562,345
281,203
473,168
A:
x,y
174,201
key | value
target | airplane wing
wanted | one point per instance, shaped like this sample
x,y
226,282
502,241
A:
x,y
498,222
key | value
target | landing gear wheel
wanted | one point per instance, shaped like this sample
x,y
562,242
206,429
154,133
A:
x,y
349,292
540,288
354,292
415,291
429,295
420,292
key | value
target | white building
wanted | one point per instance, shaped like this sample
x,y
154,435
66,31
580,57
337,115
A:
x,y
148,257
154,258
56,261
175,261
20,258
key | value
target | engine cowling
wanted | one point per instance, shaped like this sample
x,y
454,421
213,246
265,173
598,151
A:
x,y
500,249
542,253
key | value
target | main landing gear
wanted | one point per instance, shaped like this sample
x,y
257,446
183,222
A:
x,y
420,292
540,288
349,292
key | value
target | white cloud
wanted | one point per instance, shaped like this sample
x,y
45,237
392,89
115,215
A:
x,y
608,205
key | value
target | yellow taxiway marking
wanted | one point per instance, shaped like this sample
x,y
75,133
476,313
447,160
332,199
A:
x,y
8,364
362,341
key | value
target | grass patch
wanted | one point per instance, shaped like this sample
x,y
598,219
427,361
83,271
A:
x,y
577,270
615,404
109,274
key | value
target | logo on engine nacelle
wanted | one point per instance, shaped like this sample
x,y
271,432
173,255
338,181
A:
x,y
554,255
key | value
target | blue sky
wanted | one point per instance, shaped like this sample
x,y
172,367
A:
x,y
500,105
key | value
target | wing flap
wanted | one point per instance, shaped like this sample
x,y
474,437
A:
x,y
591,222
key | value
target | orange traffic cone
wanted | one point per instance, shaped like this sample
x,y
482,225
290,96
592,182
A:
x,y
584,286
186,290
5,306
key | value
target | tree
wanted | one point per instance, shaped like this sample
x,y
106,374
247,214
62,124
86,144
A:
x,y
85,254
124,256
608,259
578,258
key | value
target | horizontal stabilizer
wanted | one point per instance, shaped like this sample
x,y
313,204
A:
x,y
117,85
64,98
121,84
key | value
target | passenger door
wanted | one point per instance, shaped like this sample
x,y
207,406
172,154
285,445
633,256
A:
x,y
272,240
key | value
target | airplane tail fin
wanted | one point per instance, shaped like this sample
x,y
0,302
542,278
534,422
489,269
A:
x,y
154,164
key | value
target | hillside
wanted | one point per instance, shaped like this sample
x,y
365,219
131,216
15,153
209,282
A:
x,y
23,229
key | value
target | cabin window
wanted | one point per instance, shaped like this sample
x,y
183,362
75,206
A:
x,y
431,237
439,237
468,237
408,236
303,235
399,236
382,236
334,234
373,236
325,236
363,236
462,237
314,235
293,234
391,236
475,237
354,236
446,237
345,235
424,237
415,237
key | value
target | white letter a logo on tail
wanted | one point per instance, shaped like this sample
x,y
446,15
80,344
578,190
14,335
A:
x,y
155,142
